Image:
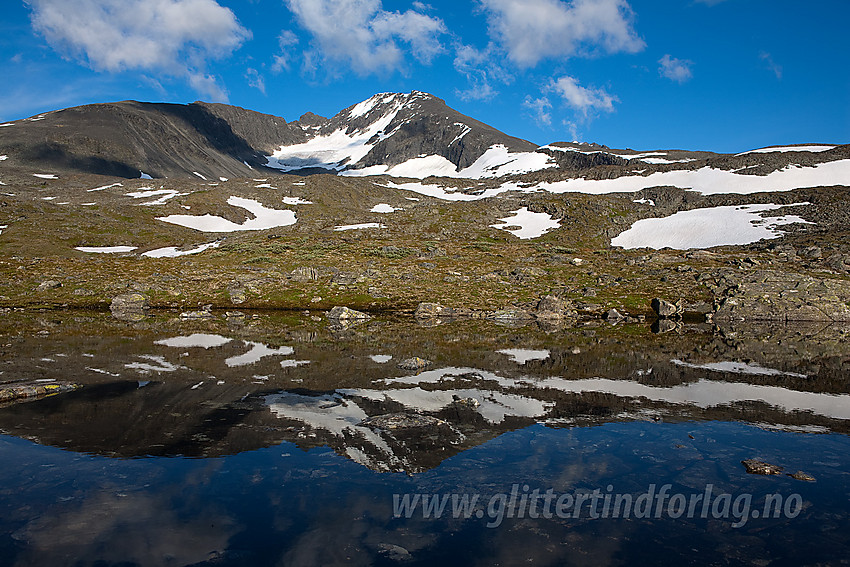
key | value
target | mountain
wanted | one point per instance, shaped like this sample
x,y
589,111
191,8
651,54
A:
x,y
129,138
413,135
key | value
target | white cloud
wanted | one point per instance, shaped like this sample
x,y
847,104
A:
x,y
255,80
585,100
361,35
532,30
481,69
170,37
285,40
771,64
540,110
678,70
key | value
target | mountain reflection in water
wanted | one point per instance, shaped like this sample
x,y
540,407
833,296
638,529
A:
x,y
294,409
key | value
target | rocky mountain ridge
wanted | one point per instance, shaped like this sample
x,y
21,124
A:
x,y
412,135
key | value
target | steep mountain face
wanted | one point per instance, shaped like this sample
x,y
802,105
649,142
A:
x,y
415,130
162,140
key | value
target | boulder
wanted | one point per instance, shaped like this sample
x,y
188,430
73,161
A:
x,y
344,314
666,310
304,274
553,307
49,284
414,363
129,306
433,311
781,296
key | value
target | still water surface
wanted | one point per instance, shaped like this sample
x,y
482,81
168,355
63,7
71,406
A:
x,y
275,440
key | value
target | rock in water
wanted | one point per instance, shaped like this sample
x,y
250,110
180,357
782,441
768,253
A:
x,y
432,311
755,466
665,309
553,307
800,475
344,314
401,420
129,307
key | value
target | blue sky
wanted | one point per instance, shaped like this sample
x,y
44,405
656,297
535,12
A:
x,y
721,75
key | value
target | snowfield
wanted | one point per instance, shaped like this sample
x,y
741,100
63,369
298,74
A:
x,y
531,225
384,208
173,252
815,148
264,218
709,181
495,162
106,249
359,226
296,201
706,228
164,195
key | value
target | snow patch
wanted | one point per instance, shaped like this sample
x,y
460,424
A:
x,y
106,249
706,180
196,340
813,148
258,352
173,252
144,175
706,228
738,368
104,187
264,218
384,208
165,195
199,175
45,175
359,226
296,201
531,225
522,355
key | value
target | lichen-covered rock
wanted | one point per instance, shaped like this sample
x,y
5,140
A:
x,y
781,296
800,475
401,420
344,314
756,466
414,363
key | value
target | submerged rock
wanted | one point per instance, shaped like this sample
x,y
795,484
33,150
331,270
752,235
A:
x,y
401,420
755,466
800,475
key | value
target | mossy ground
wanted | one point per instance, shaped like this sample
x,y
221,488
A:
x,y
432,250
